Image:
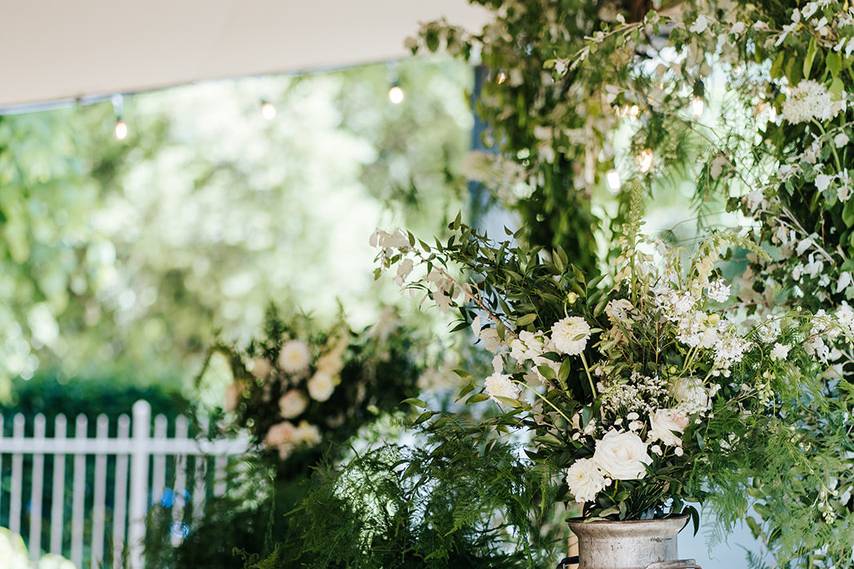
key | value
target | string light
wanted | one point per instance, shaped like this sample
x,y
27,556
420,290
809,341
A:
x,y
613,179
268,110
697,107
645,160
121,129
396,94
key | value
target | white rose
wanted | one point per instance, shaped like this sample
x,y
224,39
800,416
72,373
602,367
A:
x,y
261,368
622,456
232,397
292,404
664,423
320,386
281,437
570,335
585,480
499,385
691,395
295,356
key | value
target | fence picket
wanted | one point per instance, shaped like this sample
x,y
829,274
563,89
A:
x,y
17,477
158,468
98,507
136,449
120,507
35,544
181,464
78,495
57,505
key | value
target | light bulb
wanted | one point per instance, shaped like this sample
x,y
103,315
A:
x,y
645,160
121,130
268,110
613,179
697,107
396,95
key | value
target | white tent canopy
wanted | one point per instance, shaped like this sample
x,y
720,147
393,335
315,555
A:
x,y
54,50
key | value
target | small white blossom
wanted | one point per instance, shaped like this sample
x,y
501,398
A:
x,y
320,386
780,351
570,335
499,385
810,100
700,25
664,426
822,182
840,140
294,356
292,404
719,291
585,480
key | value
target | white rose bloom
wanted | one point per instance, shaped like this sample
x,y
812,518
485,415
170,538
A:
x,y
780,351
499,385
320,386
292,404
664,424
261,368
281,437
622,456
295,356
585,480
570,335
691,395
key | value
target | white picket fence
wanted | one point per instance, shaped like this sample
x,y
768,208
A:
x,y
138,457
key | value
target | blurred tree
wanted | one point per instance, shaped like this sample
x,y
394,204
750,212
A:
x,y
124,257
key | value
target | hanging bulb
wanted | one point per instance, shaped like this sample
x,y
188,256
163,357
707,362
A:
x,y
613,179
697,106
396,94
645,160
121,129
268,110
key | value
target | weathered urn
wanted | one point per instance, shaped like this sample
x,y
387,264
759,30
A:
x,y
640,544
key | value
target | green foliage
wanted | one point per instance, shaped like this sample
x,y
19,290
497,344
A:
x,y
452,499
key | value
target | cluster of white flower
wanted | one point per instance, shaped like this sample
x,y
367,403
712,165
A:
x,y
618,456
810,100
506,178
286,436
639,393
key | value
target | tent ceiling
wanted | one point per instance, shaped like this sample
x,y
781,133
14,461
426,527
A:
x,y
53,50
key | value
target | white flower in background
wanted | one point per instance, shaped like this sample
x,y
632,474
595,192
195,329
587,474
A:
x,y
528,346
738,28
769,331
700,25
664,424
396,240
719,291
823,181
780,351
332,362
488,336
622,456
809,9
295,356
51,561
840,140
570,335
13,552
321,385
619,311
585,480
500,385
292,404
306,434
403,270
845,317
281,436
810,100
843,282
729,350
261,368
232,396
691,395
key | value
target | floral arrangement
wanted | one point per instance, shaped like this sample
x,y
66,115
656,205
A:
x,y
628,383
298,386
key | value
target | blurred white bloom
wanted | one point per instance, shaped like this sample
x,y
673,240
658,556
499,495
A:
x,y
840,140
622,456
700,25
664,424
843,282
570,335
780,351
738,28
295,356
261,368
500,385
321,385
691,395
389,241
285,437
51,561
809,9
619,311
292,404
719,291
488,336
528,346
13,552
810,100
585,480
822,182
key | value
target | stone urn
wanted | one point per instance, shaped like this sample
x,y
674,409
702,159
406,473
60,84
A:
x,y
633,544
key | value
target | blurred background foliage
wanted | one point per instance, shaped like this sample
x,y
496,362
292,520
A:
x,y
123,259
